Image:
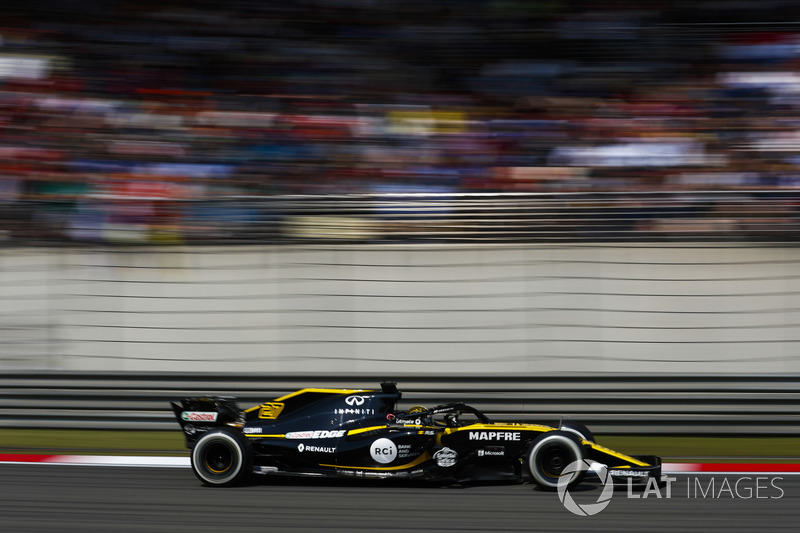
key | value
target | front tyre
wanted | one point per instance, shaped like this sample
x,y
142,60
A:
x,y
550,454
222,458
578,429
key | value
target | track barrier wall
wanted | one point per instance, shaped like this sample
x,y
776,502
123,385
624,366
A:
x,y
628,337
427,310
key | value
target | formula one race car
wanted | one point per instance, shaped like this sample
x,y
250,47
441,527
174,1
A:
x,y
359,433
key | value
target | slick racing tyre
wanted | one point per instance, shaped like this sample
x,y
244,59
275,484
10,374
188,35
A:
x,y
578,429
222,457
550,454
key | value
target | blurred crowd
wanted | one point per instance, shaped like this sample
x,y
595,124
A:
x,y
160,115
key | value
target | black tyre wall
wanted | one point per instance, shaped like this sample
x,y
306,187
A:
x,y
578,429
550,453
222,457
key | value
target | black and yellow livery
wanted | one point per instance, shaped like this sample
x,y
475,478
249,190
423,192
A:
x,y
361,433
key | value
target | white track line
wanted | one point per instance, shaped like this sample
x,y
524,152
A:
x,y
183,462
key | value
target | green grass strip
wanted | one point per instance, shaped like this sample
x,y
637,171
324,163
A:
x,y
95,442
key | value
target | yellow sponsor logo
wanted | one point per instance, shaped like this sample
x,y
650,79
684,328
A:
x,y
270,410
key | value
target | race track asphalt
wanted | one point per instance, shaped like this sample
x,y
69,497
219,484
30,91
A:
x,y
38,498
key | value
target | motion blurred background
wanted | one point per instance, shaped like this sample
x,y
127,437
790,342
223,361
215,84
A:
x,y
357,189
197,122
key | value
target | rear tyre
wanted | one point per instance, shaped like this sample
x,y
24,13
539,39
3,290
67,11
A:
x,y
221,458
550,454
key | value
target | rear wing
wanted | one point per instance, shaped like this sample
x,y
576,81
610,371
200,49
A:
x,y
198,414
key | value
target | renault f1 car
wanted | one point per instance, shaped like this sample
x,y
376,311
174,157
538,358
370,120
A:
x,y
361,433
